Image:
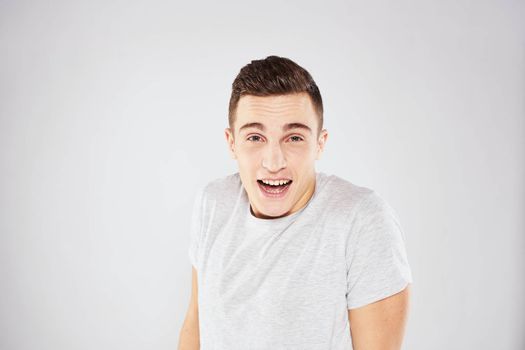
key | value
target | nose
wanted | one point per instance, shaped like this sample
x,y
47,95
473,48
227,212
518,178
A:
x,y
274,159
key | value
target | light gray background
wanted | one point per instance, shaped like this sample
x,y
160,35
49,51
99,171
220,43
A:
x,y
112,113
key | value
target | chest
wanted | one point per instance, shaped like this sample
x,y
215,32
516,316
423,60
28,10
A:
x,y
292,270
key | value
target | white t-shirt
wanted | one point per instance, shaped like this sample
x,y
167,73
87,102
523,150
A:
x,y
288,283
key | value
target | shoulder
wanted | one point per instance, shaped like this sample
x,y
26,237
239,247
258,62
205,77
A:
x,y
374,209
221,188
345,194
375,221
360,204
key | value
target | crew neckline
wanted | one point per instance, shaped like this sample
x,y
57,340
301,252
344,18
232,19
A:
x,y
285,219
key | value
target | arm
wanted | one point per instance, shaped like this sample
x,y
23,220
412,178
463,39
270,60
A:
x,y
380,325
189,333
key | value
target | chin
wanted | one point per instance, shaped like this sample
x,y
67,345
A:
x,y
273,212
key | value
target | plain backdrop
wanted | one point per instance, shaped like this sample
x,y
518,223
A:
x,y
112,113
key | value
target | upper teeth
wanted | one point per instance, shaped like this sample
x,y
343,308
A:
x,y
275,183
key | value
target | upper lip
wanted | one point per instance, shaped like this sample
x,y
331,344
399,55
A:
x,y
275,179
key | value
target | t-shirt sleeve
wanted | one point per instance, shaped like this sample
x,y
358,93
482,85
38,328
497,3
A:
x,y
377,264
196,227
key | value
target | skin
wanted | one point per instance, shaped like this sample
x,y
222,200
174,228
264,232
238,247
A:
x,y
380,325
273,152
189,336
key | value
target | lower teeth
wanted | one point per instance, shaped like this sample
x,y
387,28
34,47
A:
x,y
279,189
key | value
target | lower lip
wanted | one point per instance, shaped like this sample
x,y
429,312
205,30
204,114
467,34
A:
x,y
274,195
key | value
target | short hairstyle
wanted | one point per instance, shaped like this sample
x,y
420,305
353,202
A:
x,y
274,75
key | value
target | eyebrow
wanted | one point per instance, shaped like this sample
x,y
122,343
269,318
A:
x,y
286,127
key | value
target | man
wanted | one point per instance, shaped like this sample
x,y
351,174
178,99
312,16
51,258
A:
x,y
285,257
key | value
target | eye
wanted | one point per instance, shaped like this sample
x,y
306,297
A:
x,y
257,138
296,138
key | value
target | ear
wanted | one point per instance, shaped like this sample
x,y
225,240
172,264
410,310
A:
x,y
321,143
230,141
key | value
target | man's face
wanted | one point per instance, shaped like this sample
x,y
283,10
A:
x,y
275,137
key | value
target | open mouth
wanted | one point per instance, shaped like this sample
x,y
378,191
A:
x,y
277,190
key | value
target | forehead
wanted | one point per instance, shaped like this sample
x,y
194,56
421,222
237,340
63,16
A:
x,y
276,110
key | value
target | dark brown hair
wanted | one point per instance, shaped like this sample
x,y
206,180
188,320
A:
x,y
274,75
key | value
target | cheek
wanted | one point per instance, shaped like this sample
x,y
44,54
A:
x,y
248,163
296,151
248,155
304,151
